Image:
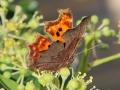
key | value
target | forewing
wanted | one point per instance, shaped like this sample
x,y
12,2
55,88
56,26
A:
x,y
74,36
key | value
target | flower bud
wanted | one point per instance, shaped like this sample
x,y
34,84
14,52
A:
x,y
11,26
73,84
106,31
24,51
18,9
48,77
7,74
45,79
21,87
23,71
42,81
64,72
30,86
7,60
33,23
103,46
106,21
4,3
94,19
82,85
3,67
9,42
113,33
98,34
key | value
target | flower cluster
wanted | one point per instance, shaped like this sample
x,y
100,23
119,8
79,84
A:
x,y
18,29
50,80
103,29
14,32
97,32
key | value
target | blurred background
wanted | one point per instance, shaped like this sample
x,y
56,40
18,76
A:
x,y
105,76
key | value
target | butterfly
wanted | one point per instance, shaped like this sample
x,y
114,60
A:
x,y
46,54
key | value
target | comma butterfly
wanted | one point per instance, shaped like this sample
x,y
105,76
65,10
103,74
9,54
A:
x,y
46,54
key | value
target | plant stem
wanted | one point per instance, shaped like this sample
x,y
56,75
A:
x,y
15,72
83,64
17,37
100,27
94,51
13,68
22,79
18,80
52,86
48,87
16,64
62,84
25,64
104,60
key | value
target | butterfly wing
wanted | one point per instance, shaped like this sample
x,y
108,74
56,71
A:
x,y
62,54
58,27
75,35
49,59
72,38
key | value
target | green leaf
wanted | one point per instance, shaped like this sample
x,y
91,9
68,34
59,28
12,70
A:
x,y
36,83
8,84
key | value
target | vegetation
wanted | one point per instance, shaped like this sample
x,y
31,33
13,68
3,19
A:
x,y
19,26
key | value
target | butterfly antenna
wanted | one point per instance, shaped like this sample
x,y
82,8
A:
x,y
86,50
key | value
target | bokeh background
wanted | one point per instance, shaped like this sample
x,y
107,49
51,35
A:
x,y
105,76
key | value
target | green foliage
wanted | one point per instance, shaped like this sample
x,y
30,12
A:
x,y
8,83
21,27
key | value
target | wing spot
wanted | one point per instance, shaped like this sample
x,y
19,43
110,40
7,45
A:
x,y
64,45
49,46
57,41
60,29
58,34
